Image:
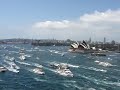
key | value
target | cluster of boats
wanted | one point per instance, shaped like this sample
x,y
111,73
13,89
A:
x,y
61,69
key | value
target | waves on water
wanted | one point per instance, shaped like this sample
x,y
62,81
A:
x,y
57,52
71,65
27,55
30,64
24,63
93,69
105,64
100,82
90,73
14,52
41,80
11,66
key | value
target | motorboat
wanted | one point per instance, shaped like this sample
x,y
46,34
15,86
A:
x,y
105,64
15,66
62,69
22,57
21,51
2,69
54,65
13,69
64,72
57,65
38,71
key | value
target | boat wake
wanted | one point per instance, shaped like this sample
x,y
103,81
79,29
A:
x,y
9,64
41,80
24,63
100,82
57,52
30,64
94,69
69,65
105,64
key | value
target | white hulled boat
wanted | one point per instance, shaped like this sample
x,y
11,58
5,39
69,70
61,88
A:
x,y
2,69
22,57
64,70
38,71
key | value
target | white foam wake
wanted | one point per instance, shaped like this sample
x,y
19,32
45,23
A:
x,y
94,69
105,64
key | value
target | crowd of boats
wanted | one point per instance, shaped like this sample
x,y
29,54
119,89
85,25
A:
x,y
60,68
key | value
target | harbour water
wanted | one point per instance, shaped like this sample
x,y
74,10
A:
x,y
89,72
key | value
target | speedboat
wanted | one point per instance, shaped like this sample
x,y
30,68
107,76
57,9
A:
x,y
38,71
58,65
21,51
64,72
22,57
13,69
15,66
54,65
2,69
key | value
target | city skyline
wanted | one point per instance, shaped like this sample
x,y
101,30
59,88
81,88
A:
x,y
76,20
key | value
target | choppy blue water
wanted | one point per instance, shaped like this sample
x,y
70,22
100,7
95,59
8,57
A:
x,y
90,72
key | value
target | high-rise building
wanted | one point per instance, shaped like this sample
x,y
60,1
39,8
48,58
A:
x,y
104,40
89,40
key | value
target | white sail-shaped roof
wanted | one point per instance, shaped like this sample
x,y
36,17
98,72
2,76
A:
x,y
88,46
74,45
83,46
77,43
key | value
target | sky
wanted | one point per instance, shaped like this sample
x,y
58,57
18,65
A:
x,y
60,19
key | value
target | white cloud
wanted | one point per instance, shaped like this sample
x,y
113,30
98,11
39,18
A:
x,y
99,24
53,24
